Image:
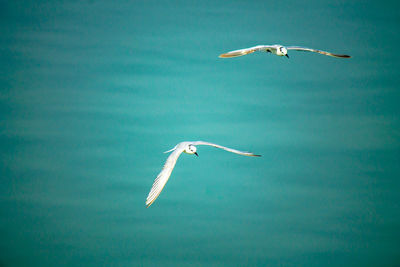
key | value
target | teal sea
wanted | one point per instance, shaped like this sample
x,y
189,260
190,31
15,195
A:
x,y
93,92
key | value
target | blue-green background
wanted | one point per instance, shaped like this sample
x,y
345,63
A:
x,y
92,93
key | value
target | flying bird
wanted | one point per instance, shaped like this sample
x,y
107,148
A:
x,y
188,148
278,50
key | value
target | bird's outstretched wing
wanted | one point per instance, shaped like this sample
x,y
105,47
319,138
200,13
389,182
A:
x,y
244,153
242,52
299,48
163,177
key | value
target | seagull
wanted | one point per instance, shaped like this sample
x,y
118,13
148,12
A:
x,y
278,50
188,148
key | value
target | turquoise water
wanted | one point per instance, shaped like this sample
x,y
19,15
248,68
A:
x,y
93,92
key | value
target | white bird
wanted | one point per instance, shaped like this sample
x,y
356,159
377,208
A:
x,y
189,148
277,49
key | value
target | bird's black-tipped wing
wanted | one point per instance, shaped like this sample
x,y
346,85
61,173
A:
x,y
306,49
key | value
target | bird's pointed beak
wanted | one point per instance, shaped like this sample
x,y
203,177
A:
x,y
196,154
287,55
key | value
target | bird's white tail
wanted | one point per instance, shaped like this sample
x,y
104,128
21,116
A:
x,y
170,150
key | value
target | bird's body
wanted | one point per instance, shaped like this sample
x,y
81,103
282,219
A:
x,y
188,148
278,50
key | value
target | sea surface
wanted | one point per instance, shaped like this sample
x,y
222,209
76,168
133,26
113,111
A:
x,y
93,92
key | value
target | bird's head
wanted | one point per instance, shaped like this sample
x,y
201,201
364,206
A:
x,y
191,149
282,51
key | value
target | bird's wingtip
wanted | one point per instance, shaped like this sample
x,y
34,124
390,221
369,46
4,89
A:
x,y
342,56
252,154
224,55
233,54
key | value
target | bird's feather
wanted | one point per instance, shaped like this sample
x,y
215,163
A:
x,y
306,49
241,52
163,176
244,153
